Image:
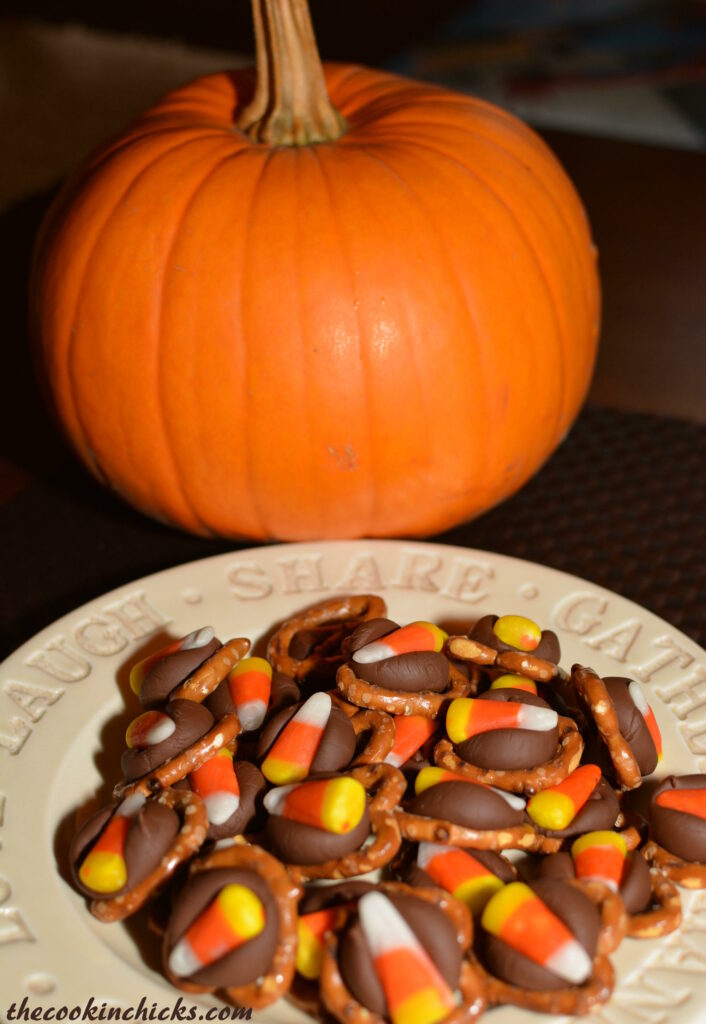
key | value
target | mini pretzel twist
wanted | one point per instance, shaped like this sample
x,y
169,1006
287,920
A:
x,y
339,1001
187,841
276,982
463,648
382,738
214,670
387,785
688,874
594,694
520,780
661,919
425,703
338,609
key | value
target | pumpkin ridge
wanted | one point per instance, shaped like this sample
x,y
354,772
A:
x,y
563,344
443,245
89,449
375,491
547,156
159,395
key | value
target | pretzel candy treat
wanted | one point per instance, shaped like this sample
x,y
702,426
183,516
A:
x,y
511,642
230,791
470,876
678,830
156,676
308,738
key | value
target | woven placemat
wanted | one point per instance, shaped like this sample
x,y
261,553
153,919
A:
x,y
622,503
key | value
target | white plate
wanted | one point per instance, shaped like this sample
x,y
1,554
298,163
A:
x,y
65,705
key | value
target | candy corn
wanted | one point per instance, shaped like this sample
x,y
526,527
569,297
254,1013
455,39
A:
x,y
468,717
334,805
688,801
250,683
411,732
600,857
459,873
415,991
312,930
233,917
217,785
510,682
149,729
199,638
290,756
104,868
556,807
428,777
517,631
418,636
640,702
520,919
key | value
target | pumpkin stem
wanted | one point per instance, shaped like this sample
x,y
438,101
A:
x,y
291,105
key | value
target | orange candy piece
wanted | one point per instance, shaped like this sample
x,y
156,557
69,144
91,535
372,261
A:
x,y
411,733
688,801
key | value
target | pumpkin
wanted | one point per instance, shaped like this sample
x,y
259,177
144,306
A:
x,y
316,301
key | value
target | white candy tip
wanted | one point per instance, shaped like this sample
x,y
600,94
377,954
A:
x,y
273,800
182,960
252,714
537,719
317,706
131,805
638,697
160,731
383,926
375,651
220,807
518,803
571,962
199,638
427,851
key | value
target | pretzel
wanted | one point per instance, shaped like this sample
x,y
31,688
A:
x,y
515,662
661,919
338,1000
592,690
337,609
426,703
520,780
275,983
187,841
196,688
688,874
382,739
577,999
389,784
420,829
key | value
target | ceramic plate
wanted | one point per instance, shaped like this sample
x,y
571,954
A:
x,y
65,706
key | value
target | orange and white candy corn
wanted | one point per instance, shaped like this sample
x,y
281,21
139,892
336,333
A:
x,y
415,991
517,631
600,857
518,917
199,638
688,801
432,776
104,868
512,682
149,729
469,716
640,701
556,807
459,873
334,805
312,929
250,684
290,756
417,636
233,917
411,733
217,785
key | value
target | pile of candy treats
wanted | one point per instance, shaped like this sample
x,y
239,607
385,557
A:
x,y
361,745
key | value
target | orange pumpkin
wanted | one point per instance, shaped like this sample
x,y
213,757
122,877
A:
x,y
347,304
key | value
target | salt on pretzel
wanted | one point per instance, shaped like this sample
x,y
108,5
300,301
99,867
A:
x,y
515,662
196,688
337,609
266,989
688,874
592,691
339,1001
382,738
574,1000
665,914
387,785
520,780
426,703
190,838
